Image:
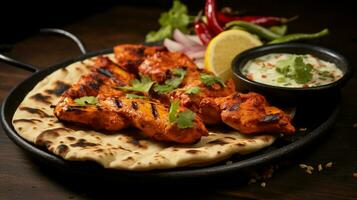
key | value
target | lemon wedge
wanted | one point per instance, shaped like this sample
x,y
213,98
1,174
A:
x,y
224,47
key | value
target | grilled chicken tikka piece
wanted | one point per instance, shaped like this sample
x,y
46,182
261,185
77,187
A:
x,y
114,111
253,116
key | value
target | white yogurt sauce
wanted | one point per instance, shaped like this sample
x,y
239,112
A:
x,y
263,70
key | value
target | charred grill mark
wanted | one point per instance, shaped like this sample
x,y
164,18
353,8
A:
x,y
60,87
192,151
62,149
118,103
35,111
26,120
41,98
45,143
52,106
52,132
83,143
105,72
218,142
128,159
270,118
134,105
236,96
234,107
139,52
71,138
154,110
94,85
138,143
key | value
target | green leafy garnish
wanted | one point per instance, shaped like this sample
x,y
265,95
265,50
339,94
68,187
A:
x,y
295,68
172,83
280,30
302,71
134,96
86,100
209,80
193,90
175,105
176,17
142,85
183,119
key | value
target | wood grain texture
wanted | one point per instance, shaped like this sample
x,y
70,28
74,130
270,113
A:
x,y
21,177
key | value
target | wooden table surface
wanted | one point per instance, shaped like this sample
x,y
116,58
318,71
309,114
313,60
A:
x,y
21,177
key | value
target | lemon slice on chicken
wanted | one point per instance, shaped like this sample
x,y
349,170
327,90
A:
x,y
224,47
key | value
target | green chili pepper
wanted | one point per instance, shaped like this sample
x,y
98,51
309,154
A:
x,y
299,36
280,30
254,28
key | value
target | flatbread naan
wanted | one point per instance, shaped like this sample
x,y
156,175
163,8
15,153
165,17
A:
x,y
127,149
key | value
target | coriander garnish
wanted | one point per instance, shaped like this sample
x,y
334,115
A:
x,y
142,85
134,96
193,90
183,119
86,100
172,83
209,80
295,68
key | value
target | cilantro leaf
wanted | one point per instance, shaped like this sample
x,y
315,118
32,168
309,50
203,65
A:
x,y
175,105
302,71
209,80
193,90
86,100
142,85
134,96
161,89
176,17
162,33
280,30
183,119
170,84
285,67
295,68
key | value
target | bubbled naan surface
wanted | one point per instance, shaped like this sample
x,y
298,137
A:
x,y
126,149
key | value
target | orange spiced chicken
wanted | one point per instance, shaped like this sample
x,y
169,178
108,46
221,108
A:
x,y
166,96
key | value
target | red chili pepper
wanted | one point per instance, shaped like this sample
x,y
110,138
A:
x,y
260,20
211,15
203,32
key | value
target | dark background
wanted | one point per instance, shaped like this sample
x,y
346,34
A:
x,y
107,23
21,19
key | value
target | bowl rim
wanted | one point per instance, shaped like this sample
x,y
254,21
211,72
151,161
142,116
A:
x,y
266,49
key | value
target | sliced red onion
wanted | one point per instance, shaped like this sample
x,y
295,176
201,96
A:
x,y
194,48
200,63
195,38
183,39
196,54
172,45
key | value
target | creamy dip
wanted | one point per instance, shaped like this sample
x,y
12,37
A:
x,y
291,70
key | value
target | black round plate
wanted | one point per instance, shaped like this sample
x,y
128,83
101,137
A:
x,y
317,118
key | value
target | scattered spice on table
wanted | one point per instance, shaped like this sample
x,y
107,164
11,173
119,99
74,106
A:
x,y
263,184
329,165
320,168
309,169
